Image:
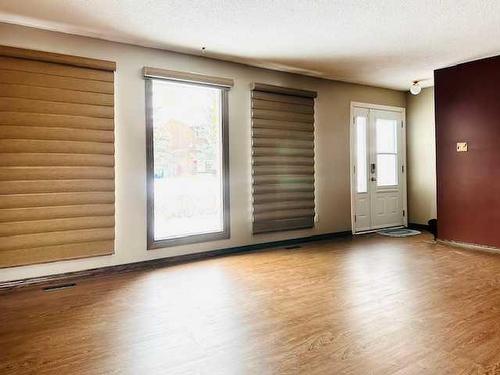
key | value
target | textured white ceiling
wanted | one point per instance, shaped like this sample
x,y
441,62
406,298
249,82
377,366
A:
x,y
386,43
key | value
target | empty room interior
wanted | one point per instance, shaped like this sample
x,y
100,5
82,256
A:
x,y
249,187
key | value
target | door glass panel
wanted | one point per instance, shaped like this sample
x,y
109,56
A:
x,y
387,152
387,170
387,139
361,162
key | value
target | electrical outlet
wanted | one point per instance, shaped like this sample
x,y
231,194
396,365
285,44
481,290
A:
x,y
462,147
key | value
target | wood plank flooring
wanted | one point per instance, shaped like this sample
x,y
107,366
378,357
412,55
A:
x,y
372,305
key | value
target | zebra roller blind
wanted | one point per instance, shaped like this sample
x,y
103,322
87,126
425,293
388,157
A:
x,y
56,157
282,158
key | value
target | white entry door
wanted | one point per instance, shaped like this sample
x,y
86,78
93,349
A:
x,y
378,170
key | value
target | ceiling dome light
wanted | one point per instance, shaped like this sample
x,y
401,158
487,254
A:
x,y
415,88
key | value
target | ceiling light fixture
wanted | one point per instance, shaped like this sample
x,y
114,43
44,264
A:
x,y
415,88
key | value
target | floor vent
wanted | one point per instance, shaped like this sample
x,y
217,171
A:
x,y
58,287
293,247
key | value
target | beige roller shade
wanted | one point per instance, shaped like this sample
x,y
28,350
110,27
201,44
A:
x,y
56,157
282,158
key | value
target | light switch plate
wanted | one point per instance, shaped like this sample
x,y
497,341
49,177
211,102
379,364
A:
x,y
462,147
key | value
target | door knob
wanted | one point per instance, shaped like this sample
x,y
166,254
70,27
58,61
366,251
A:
x,y
373,179
372,168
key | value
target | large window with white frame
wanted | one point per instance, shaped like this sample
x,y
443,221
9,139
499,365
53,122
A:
x,y
187,139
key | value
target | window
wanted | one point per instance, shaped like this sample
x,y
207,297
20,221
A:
x,y
282,158
188,198
387,152
361,156
57,188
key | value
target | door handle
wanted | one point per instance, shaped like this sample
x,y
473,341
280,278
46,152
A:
x,y
372,168
373,179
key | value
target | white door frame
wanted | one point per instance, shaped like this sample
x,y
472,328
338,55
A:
x,y
351,158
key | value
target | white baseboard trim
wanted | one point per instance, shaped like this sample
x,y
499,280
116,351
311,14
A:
x,y
470,246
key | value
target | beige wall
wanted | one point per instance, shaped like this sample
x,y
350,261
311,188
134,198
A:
x,y
332,144
421,155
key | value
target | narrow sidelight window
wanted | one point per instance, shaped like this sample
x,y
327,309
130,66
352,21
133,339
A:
x,y
362,155
188,198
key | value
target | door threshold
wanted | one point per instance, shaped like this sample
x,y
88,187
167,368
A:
x,y
377,229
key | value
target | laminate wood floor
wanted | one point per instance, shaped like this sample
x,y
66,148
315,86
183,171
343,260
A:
x,y
372,305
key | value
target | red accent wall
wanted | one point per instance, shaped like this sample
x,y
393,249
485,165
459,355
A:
x,y
467,100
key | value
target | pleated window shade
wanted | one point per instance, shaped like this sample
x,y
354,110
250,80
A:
x,y
56,157
282,158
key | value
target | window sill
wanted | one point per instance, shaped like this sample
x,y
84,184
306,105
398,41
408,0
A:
x,y
196,238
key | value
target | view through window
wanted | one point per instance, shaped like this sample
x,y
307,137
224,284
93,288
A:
x,y
361,157
188,159
387,152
